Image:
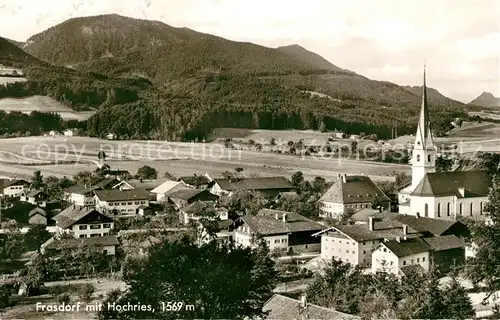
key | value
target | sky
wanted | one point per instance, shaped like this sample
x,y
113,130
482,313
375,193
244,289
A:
x,y
381,39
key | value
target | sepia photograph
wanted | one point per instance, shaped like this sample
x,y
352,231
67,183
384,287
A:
x,y
252,160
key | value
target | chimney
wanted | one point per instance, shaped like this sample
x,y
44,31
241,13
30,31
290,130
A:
x,y
371,224
405,229
344,178
398,239
461,191
284,217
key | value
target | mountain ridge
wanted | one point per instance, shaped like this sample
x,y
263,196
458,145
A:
x,y
486,99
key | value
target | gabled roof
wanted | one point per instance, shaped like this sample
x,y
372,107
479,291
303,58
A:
x,y
265,222
445,242
283,308
422,224
265,225
146,184
34,193
382,230
85,189
165,186
406,247
37,210
439,184
122,195
183,193
4,183
73,214
264,183
53,244
356,189
192,180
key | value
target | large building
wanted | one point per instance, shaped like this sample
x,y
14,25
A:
x,y
12,187
350,194
441,195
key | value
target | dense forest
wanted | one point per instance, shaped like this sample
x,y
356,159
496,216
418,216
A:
x,y
17,123
150,80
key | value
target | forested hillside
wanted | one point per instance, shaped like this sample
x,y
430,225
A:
x,y
151,80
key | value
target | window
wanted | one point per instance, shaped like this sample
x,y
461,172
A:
x,y
105,234
429,158
277,241
95,235
404,262
448,209
364,251
107,225
426,210
471,208
124,203
392,263
481,208
129,203
82,227
347,242
418,157
418,260
423,259
460,209
95,226
439,210
105,251
412,261
283,240
82,236
136,202
385,250
143,202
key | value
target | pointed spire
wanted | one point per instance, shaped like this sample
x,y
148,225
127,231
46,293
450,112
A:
x,y
424,123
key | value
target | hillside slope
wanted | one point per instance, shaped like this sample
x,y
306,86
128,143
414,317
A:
x,y
13,56
304,55
433,95
486,99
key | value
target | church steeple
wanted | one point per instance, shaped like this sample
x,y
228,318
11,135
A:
x,y
424,151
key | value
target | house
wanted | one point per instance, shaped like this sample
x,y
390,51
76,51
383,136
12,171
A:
x,y
68,133
35,197
182,196
280,307
83,222
392,255
447,252
37,216
12,188
83,194
282,230
123,185
54,245
349,194
163,188
189,212
223,232
196,181
442,195
121,202
353,244
268,187
111,136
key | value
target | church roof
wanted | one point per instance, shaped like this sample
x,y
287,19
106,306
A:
x,y
440,184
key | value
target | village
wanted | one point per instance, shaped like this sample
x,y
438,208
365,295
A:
x,y
305,225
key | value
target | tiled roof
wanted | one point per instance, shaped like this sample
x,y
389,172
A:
x,y
264,183
54,244
183,193
122,195
284,308
82,189
407,247
439,184
382,230
4,183
37,210
422,224
34,193
165,186
356,189
146,184
445,242
71,215
265,222
201,179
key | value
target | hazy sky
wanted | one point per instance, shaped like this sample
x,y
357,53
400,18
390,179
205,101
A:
x,y
380,39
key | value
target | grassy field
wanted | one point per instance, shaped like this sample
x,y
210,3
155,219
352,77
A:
x,y
45,104
176,158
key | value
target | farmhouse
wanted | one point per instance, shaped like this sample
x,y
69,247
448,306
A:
x,y
107,244
12,188
182,196
350,194
121,202
83,222
269,187
35,197
83,194
442,195
282,230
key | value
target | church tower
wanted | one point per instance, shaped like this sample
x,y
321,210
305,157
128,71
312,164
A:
x,y
424,151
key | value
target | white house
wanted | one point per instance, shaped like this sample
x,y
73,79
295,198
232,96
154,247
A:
x,y
35,197
442,195
350,193
12,187
68,133
162,189
83,194
83,222
121,202
111,136
392,255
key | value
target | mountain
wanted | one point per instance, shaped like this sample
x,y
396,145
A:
x,y
486,99
13,56
433,95
150,80
17,43
304,55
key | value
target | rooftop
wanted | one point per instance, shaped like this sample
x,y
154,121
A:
x,y
4,183
263,183
445,243
196,179
280,307
74,214
165,186
58,244
266,223
183,193
407,247
122,195
84,189
355,189
439,184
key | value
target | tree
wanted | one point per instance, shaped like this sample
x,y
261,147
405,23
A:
x,y
457,302
220,281
377,306
354,147
147,173
37,180
11,244
35,274
297,179
431,304
319,185
484,236
5,293
36,236
443,164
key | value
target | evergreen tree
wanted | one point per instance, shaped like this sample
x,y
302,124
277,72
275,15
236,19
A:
x,y
432,306
457,302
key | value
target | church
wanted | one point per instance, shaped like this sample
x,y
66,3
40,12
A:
x,y
440,195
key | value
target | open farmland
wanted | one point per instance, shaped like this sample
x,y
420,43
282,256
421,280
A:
x,y
44,104
176,158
